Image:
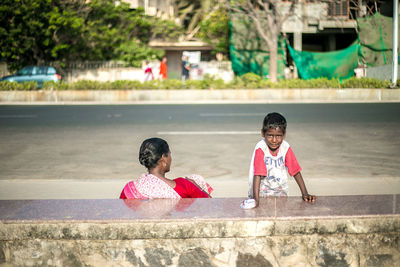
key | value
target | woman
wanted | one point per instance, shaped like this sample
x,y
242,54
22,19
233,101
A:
x,y
148,72
155,155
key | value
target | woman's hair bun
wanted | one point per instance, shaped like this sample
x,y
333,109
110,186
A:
x,y
151,151
145,158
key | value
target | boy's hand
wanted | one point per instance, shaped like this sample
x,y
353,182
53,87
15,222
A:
x,y
309,198
249,204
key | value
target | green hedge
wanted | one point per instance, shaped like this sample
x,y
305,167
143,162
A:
x,y
247,81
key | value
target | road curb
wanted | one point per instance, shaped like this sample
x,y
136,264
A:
x,y
201,96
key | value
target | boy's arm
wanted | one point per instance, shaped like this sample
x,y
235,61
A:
x,y
306,197
256,188
187,66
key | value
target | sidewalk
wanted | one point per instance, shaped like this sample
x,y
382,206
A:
x,y
110,189
200,96
233,187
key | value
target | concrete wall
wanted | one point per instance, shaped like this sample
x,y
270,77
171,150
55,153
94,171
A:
x,y
174,64
312,17
105,74
199,96
221,70
335,231
381,72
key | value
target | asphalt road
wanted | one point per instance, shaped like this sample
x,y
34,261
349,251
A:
x,y
101,142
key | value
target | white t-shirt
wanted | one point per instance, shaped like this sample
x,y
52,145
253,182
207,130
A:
x,y
273,169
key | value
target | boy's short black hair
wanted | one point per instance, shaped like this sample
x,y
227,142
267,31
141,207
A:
x,y
274,120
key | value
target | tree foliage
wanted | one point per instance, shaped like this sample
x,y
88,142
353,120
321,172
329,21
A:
x,y
43,31
168,30
191,11
215,30
206,20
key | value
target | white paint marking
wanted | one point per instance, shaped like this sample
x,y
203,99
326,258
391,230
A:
x,y
18,116
207,133
231,114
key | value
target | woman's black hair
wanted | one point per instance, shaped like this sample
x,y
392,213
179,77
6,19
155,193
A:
x,y
151,151
274,120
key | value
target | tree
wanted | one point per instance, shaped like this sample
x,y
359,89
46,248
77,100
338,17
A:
x,y
206,20
268,17
214,29
116,32
191,11
32,31
61,31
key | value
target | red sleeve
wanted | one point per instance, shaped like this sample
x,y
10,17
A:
x,y
186,189
259,164
291,163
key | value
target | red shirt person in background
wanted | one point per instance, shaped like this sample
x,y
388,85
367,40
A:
x,y
163,68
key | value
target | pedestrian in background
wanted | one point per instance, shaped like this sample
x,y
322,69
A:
x,y
163,69
148,72
185,68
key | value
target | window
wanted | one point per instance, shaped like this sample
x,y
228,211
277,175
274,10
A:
x,y
338,8
41,70
25,71
51,70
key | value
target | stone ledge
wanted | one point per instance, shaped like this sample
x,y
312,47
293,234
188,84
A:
x,y
335,231
116,210
115,219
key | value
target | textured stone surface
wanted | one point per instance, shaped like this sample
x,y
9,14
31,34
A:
x,y
311,250
335,231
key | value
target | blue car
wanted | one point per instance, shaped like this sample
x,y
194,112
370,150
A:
x,y
38,74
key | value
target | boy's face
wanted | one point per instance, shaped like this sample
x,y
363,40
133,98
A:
x,y
273,138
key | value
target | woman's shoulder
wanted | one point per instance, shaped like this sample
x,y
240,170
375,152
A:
x,y
184,183
181,180
188,189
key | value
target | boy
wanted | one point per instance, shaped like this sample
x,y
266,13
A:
x,y
271,160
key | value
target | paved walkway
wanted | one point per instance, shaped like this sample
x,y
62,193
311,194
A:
x,y
224,187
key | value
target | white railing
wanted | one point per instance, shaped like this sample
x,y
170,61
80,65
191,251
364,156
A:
x,y
95,65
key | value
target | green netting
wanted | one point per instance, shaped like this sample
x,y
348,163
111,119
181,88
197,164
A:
x,y
375,34
337,64
248,52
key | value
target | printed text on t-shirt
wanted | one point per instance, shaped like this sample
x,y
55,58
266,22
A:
x,y
274,162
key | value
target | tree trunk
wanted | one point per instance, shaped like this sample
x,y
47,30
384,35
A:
x,y
273,60
268,11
